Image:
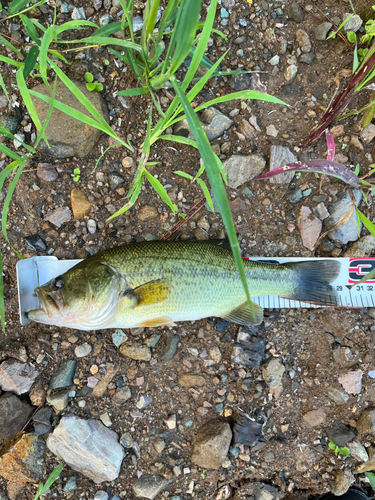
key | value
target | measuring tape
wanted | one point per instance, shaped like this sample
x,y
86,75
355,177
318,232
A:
x,y
37,271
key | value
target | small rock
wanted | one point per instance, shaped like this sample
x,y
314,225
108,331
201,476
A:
x,y
37,394
64,376
321,211
310,228
211,444
35,243
241,169
18,140
91,226
14,416
322,30
104,417
291,89
80,204
171,422
296,13
70,485
344,479
358,451
307,58
78,14
352,381
246,431
119,337
354,23
273,373
42,421
159,445
136,351
46,173
149,486
369,133
82,350
115,181
340,434
68,137
295,196
88,447
280,155
170,347
104,20
338,131
59,216
361,248
303,40
191,380
101,387
348,232
126,440
354,139
217,123
314,418
143,402
290,72
241,82
127,162
23,461
59,400
338,397
272,131
16,377
122,394
366,422
147,213
274,61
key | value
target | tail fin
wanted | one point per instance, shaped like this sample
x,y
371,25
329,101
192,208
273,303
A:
x,y
312,281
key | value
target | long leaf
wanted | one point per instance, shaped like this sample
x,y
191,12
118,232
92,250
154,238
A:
x,y
6,132
133,199
16,6
132,92
6,43
46,41
2,85
320,166
4,149
12,62
30,61
48,117
43,488
159,188
109,29
243,94
30,28
215,181
206,193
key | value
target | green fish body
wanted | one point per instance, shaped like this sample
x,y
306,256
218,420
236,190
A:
x,y
159,283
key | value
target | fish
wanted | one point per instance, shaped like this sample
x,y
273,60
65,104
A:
x,y
160,283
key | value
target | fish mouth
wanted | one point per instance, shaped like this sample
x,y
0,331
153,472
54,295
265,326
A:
x,y
51,306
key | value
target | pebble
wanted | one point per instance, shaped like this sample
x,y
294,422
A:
x,y
358,451
82,350
88,447
354,23
314,418
211,444
246,431
241,82
274,61
104,417
307,58
361,248
303,40
321,31
59,216
104,20
338,397
369,133
339,433
366,422
170,347
19,138
296,13
273,373
344,479
81,206
149,486
310,228
115,181
64,376
290,72
295,196
321,211
291,89
272,131
91,226
59,401
78,13
171,422
147,213
126,440
17,377
191,380
15,414
127,162
122,394
46,173
35,243
241,169
70,485
215,354
119,337
352,381
348,232
136,351
143,402
217,123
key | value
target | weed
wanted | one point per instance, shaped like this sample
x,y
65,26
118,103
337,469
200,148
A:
x,y
76,174
92,85
43,488
343,450
371,477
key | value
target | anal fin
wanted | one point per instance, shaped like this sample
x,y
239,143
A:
x,y
243,315
162,321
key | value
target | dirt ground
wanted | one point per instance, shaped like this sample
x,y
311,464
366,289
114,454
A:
x,y
316,347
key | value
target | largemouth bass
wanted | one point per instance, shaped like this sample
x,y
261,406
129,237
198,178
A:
x,y
157,283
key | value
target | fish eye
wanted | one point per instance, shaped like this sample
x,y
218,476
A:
x,y
58,282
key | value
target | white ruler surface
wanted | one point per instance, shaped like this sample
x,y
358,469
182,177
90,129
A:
x,y
36,271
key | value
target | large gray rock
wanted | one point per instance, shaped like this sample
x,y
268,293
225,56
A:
x,y
14,416
212,444
16,377
241,169
148,486
348,232
67,136
88,447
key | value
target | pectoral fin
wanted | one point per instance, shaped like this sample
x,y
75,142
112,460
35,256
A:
x,y
244,316
163,321
150,293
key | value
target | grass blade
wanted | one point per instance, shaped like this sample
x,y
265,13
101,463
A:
x,y
46,121
46,41
244,94
30,28
30,60
5,42
16,6
133,198
108,30
216,182
206,193
183,174
51,479
159,188
9,152
180,139
12,62
6,132
2,85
